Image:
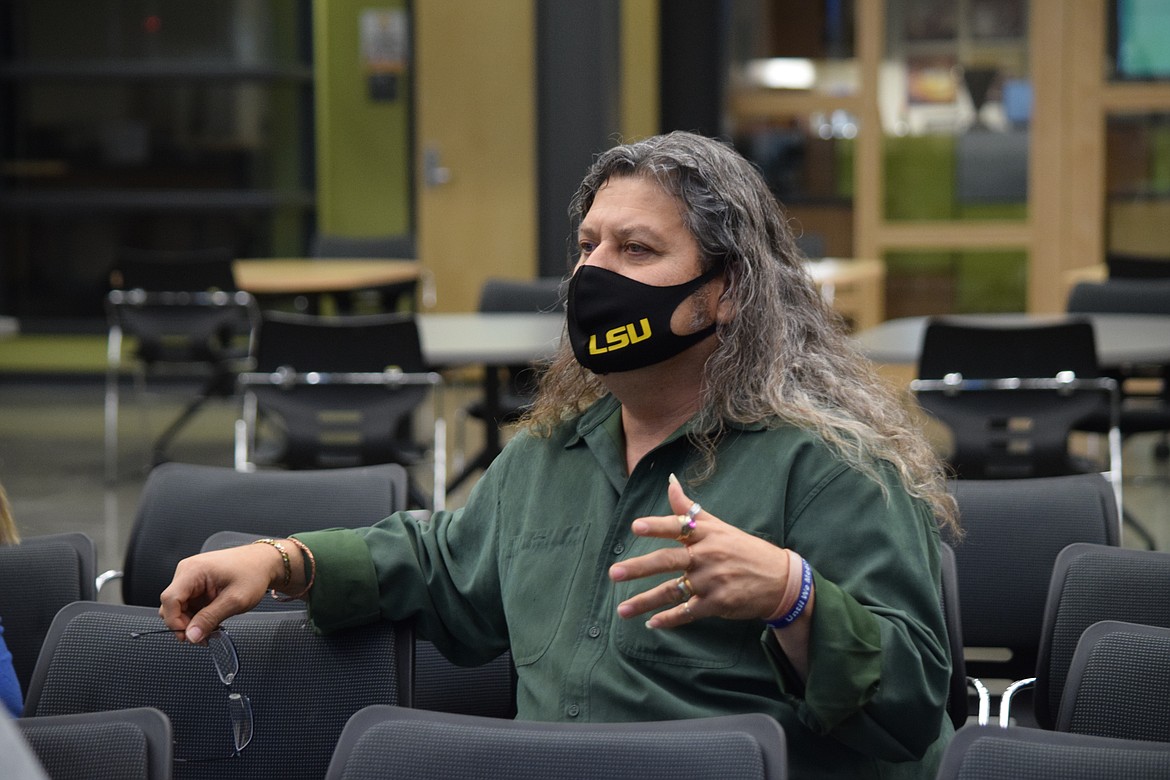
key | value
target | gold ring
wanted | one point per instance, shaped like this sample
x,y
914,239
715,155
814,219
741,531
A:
x,y
684,587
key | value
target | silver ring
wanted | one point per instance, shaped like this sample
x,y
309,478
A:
x,y
694,510
684,587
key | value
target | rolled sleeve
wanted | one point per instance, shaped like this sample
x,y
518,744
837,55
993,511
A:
x,y
345,590
850,636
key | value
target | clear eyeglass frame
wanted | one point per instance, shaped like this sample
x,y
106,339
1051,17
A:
x,y
226,661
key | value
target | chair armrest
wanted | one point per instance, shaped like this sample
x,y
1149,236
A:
x,y
1005,701
984,699
106,576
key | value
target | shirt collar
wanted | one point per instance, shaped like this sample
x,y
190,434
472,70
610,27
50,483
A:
x,y
607,411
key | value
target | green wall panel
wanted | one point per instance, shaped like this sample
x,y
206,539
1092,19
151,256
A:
x,y
363,142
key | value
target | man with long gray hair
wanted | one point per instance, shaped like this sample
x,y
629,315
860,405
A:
x,y
714,506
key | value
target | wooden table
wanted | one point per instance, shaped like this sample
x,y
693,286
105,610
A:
x,y
853,287
314,276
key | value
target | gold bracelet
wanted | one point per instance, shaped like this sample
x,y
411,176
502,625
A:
x,y
305,551
283,558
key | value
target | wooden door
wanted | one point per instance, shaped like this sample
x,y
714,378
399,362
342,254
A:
x,y
475,144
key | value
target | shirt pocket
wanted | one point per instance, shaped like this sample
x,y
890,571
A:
x,y
707,643
538,576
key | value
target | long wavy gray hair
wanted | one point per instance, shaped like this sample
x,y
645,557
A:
x,y
783,358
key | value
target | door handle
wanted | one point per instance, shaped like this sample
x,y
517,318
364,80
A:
x,y
434,173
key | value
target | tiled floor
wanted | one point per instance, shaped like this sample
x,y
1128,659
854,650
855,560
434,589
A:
x,y
52,466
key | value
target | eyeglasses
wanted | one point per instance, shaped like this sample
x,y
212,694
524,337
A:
x,y
227,666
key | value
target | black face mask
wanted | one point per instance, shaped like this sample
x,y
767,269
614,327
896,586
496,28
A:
x,y
619,324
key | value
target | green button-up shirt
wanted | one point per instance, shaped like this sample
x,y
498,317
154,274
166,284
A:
x,y
523,566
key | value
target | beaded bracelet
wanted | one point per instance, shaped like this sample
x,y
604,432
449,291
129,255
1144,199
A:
x,y
312,577
802,598
283,558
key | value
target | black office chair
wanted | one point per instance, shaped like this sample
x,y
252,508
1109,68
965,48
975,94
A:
x,y
1130,265
38,577
1090,583
978,753
1013,532
959,694
271,698
1148,410
129,744
1011,394
340,391
380,743
184,314
505,403
488,690
183,504
401,297
1118,683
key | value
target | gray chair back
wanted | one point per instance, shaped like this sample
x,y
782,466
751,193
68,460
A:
x,y
183,504
380,743
980,753
958,698
1091,583
303,687
38,577
1013,532
131,744
1118,683
488,690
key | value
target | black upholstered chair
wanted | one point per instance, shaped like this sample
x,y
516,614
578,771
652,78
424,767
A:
x,y
488,690
183,504
1090,583
959,696
38,577
1118,683
1013,532
184,313
1012,393
380,743
338,391
129,744
1034,754
301,687
1145,389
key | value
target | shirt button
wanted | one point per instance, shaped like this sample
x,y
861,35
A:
x,y
619,548
574,710
594,631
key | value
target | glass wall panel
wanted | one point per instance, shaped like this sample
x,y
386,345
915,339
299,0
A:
x,y
1137,185
159,124
955,101
951,282
791,66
